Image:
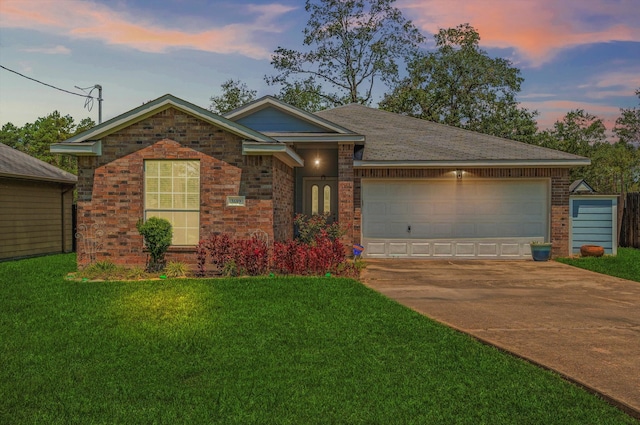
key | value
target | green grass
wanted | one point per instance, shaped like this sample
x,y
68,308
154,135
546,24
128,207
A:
x,y
625,265
253,351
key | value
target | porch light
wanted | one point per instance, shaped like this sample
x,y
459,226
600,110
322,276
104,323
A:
x,y
317,162
459,174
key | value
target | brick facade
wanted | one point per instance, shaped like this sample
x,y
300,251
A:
x,y
111,187
346,192
283,192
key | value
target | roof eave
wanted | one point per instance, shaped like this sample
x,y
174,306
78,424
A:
x,y
280,151
337,138
88,148
547,163
162,104
70,182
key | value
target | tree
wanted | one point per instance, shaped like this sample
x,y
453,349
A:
x,y
460,85
306,95
36,138
234,95
578,133
627,126
614,166
351,44
627,129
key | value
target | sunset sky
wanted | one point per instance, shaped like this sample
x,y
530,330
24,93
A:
x,y
572,53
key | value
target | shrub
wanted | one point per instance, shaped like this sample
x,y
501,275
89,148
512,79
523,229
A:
x,y
136,273
157,234
99,270
309,228
233,257
176,269
324,255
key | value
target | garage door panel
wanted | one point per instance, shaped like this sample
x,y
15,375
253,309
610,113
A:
x,y
479,218
377,209
396,227
400,209
440,230
420,208
533,208
420,230
488,229
464,230
443,208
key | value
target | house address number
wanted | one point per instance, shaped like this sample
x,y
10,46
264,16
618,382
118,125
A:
x,y
235,201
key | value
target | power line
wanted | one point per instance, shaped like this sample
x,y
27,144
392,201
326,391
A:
x,y
48,85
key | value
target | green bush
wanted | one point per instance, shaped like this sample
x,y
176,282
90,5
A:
x,y
157,234
309,228
176,269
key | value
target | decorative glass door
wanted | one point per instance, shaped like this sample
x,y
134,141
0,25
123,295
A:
x,y
321,197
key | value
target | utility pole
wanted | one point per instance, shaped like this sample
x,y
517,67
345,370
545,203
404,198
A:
x,y
99,87
89,99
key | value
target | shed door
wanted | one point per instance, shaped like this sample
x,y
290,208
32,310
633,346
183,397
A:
x,y
453,218
593,222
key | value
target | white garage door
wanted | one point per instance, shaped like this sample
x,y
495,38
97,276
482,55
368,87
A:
x,y
454,218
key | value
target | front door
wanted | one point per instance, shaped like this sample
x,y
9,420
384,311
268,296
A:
x,y
321,197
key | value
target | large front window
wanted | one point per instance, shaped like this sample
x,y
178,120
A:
x,y
172,192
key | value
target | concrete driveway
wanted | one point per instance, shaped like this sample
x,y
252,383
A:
x,y
583,325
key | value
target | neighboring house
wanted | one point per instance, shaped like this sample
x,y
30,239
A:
x,y
401,186
35,206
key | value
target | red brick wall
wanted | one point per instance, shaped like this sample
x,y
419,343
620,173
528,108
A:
x,y
111,197
346,192
559,178
283,193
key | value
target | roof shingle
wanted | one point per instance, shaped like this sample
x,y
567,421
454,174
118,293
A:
x,y
395,137
16,164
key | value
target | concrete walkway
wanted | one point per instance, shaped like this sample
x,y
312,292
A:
x,y
583,325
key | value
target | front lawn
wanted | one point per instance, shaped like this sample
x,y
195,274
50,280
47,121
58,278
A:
x,y
253,351
625,265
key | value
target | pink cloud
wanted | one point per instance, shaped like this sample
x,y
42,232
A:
x,y
551,111
91,20
539,29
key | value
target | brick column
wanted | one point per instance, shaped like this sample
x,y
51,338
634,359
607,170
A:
x,y
560,214
345,191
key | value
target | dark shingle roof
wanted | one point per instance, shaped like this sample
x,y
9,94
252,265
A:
x,y
394,137
16,164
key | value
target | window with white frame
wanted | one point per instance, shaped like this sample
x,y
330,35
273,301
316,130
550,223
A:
x,y
172,192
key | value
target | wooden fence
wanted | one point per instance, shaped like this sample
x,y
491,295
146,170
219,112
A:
x,y
630,230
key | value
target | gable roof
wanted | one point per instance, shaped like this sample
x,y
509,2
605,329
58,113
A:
x,y
84,143
16,164
580,186
270,101
399,140
296,125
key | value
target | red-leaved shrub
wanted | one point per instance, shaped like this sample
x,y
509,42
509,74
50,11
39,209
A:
x,y
233,257
323,255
